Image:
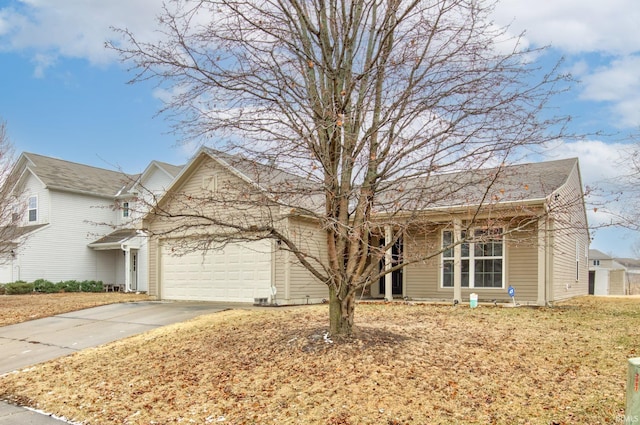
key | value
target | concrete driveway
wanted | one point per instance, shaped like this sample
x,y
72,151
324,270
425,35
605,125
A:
x,y
40,340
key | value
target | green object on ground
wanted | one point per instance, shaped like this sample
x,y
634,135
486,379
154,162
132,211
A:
x,y
632,412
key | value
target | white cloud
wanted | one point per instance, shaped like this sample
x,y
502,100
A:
x,y
42,61
599,40
71,28
600,163
604,168
575,26
619,83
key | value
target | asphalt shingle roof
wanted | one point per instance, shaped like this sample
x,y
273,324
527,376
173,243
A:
x,y
70,176
519,182
505,184
174,170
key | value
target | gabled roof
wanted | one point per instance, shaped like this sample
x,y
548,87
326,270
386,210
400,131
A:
x,y
531,182
512,183
172,170
169,169
69,176
13,233
594,254
257,173
629,263
614,264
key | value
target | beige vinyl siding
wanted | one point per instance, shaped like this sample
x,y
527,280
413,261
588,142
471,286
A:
x,y
422,280
193,184
154,266
570,241
616,282
208,178
303,285
280,272
522,268
188,196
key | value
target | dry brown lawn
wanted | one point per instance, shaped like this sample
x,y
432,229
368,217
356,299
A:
x,y
20,308
410,364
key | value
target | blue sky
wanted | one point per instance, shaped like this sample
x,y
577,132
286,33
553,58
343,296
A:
x,y
63,95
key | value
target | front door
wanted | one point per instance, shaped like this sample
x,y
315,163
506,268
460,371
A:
x,y
396,276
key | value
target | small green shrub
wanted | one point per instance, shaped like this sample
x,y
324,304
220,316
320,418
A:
x,y
45,286
17,288
92,286
70,286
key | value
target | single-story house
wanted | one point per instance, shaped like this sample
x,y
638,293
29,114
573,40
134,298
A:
x,y
531,235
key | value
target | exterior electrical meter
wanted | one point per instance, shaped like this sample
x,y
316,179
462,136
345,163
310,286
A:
x,y
632,413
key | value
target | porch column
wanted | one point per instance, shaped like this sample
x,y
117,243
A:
x,y
457,260
127,269
388,258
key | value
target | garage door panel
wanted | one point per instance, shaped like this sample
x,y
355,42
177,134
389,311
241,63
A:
x,y
240,272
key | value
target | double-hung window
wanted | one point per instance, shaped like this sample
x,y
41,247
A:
x,y
32,209
481,259
125,209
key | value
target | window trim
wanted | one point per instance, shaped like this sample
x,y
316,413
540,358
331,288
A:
x,y
469,257
125,209
577,260
34,209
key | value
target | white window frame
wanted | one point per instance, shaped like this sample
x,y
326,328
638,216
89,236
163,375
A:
x,y
577,260
125,210
33,208
469,256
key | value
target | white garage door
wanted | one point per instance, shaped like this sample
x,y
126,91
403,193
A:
x,y
238,273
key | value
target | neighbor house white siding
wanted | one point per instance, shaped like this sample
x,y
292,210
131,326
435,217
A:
x,y
59,251
34,187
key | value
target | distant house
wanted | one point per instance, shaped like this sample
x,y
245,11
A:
x,y
606,275
81,223
545,260
632,275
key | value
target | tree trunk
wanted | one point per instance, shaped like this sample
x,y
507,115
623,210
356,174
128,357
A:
x,y
341,312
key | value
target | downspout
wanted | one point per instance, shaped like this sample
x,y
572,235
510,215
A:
x,y
274,290
457,261
388,258
547,263
127,267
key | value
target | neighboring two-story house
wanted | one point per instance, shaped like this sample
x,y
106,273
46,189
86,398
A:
x,y
606,275
81,222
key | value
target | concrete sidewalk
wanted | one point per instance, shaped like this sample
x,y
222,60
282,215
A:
x,y
36,341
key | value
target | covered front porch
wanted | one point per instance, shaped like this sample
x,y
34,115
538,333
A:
x,y
448,261
119,257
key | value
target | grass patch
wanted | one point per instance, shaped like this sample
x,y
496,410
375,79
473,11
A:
x,y
20,308
417,364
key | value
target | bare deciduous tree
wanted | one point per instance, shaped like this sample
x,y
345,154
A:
x,y
12,206
362,104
